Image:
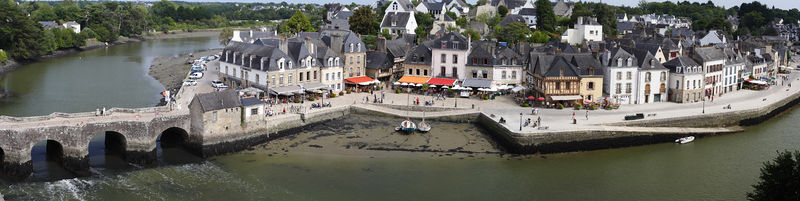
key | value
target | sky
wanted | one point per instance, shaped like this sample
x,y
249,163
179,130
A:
x,y
783,4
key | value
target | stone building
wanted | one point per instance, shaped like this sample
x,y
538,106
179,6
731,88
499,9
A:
x,y
216,113
418,60
450,56
620,70
253,111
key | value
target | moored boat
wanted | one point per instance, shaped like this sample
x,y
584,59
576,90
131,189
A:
x,y
685,140
422,126
408,126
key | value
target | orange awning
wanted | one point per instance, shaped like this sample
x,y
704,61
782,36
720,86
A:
x,y
414,79
359,80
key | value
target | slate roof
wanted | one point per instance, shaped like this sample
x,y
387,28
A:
x,y
652,48
614,55
584,63
397,48
452,40
705,54
379,60
682,62
625,26
48,24
527,11
434,6
400,19
512,18
510,4
645,60
551,66
251,101
218,100
420,54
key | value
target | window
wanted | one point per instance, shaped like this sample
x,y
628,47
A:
x,y
253,111
300,78
485,60
503,75
257,80
678,70
281,83
474,60
315,75
290,64
351,48
513,74
619,62
628,88
410,71
647,77
358,59
677,84
628,75
290,79
558,85
663,76
591,70
273,80
566,85
663,88
503,61
455,59
339,76
619,88
443,72
418,72
444,58
426,72
474,74
327,76
619,75
646,89
351,59
630,61
455,72
590,86
359,47
308,75
214,116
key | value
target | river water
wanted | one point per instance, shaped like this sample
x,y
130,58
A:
x,y
712,168
105,77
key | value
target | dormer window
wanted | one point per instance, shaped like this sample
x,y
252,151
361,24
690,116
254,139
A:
x,y
678,70
290,64
503,61
337,61
630,61
330,61
359,47
351,47
652,63
619,62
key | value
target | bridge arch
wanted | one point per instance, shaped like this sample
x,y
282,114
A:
x,y
174,147
107,148
47,158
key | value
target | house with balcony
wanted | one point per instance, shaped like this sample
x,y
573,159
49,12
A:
x,y
713,60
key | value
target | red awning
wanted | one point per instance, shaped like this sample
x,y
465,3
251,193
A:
x,y
359,80
441,81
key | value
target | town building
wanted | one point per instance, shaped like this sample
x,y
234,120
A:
x,y
620,78
554,78
686,80
253,111
731,72
418,60
399,23
587,29
450,56
216,113
652,78
712,59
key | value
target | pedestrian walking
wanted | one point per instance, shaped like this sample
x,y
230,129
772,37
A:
x,y
104,112
573,115
587,115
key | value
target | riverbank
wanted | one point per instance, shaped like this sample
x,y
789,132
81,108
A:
x,y
91,44
171,71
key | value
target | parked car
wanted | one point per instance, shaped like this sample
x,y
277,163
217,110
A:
x,y
190,83
196,75
198,68
217,83
635,117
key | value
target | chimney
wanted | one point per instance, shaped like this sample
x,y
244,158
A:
x,y
251,33
336,42
380,44
580,20
284,45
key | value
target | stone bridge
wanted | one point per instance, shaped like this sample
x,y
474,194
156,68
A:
x,y
133,132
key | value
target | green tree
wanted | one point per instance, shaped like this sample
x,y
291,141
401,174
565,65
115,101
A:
x,y
481,2
779,180
546,19
512,33
452,15
539,36
225,35
44,13
474,35
461,22
21,36
3,56
102,34
49,41
299,23
423,19
605,16
421,31
363,21
502,11
385,33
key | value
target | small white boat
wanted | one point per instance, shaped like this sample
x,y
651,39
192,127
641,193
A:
x,y
424,127
685,140
408,126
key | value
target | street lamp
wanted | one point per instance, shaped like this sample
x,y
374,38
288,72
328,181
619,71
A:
x,y
520,121
704,105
